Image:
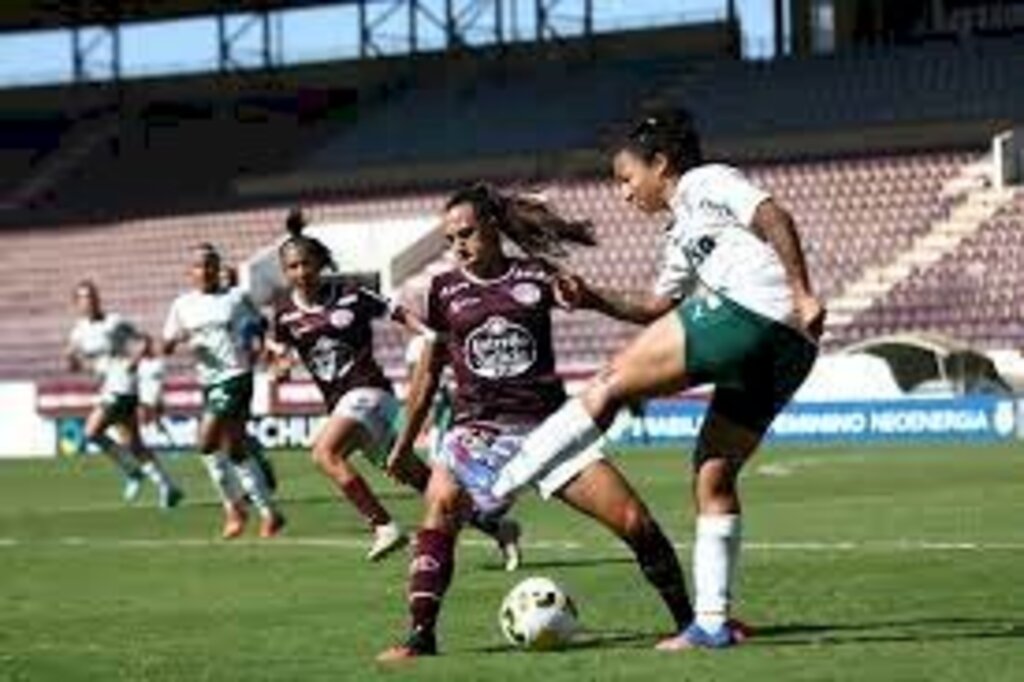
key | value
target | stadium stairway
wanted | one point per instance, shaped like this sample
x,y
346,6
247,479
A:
x,y
976,202
58,164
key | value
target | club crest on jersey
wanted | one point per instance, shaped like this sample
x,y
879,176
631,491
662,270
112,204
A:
x,y
499,348
526,293
341,318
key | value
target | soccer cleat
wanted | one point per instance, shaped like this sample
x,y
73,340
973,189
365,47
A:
x,y
418,643
696,637
170,497
132,488
387,538
507,538
235,517
272,524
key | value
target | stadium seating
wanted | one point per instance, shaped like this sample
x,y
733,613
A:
x,y
971,294
852,213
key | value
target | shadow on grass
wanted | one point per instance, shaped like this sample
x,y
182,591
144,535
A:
x,y
590,639
812,634
895,630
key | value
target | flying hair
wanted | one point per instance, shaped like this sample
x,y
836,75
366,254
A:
x,y
525,219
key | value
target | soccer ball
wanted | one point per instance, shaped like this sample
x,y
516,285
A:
x,y
538,615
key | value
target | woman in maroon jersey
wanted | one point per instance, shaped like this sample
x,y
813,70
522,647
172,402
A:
x,y
327,322
493,319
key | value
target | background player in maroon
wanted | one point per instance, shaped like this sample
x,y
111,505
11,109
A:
x,y
493,315
328,322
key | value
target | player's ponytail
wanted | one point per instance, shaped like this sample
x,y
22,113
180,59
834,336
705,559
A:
x,y
295,224
669,132
526,220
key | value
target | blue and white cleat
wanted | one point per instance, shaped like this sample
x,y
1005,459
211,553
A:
x,y
132,488
695,637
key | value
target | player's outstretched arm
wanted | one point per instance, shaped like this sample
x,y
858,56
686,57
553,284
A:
x,y
575,292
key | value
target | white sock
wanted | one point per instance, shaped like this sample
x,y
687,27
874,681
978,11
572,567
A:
x,y
251,477
122,457
715,554
155,472
564,434
223,479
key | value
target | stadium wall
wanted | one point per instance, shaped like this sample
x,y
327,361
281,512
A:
x,y
288,417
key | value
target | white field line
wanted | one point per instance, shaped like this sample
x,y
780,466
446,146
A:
x,y
360,544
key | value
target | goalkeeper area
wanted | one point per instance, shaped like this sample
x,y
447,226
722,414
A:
x,y
860,562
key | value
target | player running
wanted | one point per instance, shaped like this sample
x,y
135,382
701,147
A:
x,y
212,322
732,307
493,315
327,322
104,343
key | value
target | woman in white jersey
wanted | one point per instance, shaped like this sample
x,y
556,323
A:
x,y
103,342
732,307
211,321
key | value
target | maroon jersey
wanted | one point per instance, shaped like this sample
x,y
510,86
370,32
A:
x,y
498,336
334,338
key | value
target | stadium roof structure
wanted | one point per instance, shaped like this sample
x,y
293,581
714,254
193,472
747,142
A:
x,y
95,26
23,15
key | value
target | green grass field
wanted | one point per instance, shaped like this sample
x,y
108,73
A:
x,y
862,563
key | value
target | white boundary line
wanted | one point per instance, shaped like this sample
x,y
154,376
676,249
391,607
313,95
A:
x,y
360,544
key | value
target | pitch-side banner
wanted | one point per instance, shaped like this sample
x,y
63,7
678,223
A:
x,y
977,419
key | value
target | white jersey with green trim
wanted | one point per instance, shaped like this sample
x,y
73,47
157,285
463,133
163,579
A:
x,y
214,326
104,345
711,244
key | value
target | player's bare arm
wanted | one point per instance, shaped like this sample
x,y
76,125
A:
x,y
422,387
775,225
629,306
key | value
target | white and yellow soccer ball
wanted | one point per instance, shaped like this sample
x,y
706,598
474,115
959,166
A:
x,y
538,615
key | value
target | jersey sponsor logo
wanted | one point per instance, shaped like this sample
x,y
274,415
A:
x,y
329,358
460,304
290,317
699,249
452,289
341,318
500,348
526,293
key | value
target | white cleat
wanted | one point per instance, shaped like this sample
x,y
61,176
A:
x,y
132,488
508,542
386,539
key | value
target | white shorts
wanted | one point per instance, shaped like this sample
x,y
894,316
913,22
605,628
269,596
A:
x,y
377,411
476,453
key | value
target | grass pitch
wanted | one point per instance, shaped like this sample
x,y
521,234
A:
x,y
861,563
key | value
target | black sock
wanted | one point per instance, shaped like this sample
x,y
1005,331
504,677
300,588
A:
x,y
658,561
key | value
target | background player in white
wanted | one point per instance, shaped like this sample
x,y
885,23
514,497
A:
x,y
441,411
211,321
253,331
112,347
151,372
733,307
